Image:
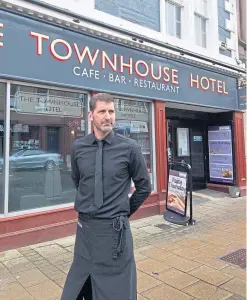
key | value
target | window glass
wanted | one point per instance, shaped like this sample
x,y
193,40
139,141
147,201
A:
x,y
44,123
173,19
2,109
201,31
133,120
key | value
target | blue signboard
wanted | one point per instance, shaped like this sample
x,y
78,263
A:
x,y
35,51
242,99
197,138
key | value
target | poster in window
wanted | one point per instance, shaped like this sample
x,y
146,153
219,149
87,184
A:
x,y
183,142
177,192
220,154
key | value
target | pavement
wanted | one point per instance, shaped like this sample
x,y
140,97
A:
x,y
174,262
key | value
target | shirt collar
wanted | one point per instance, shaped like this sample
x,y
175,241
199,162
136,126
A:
x,y
109,138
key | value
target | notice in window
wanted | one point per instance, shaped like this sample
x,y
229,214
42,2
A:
x,y
220,154
183,142
32,103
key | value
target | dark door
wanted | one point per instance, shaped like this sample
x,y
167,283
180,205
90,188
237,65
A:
x,y
197,143
185,143
53,139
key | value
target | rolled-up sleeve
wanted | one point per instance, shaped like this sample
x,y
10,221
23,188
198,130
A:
x,y
140,176
75,174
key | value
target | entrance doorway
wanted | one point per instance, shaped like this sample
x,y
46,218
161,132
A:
x,y
53,139
186,143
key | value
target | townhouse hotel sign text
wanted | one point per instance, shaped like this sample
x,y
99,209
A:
x,y
163,77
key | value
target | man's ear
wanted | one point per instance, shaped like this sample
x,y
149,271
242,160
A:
x,y
90,116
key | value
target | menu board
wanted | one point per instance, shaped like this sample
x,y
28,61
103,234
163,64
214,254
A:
x,y
220,154
177,192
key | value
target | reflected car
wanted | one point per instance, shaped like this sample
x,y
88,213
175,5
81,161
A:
x,y
33,159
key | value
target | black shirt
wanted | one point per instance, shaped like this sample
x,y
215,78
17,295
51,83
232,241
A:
x,y
122,160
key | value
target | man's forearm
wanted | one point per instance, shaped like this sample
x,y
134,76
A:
x,y
138,198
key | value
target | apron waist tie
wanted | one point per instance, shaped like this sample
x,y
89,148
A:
x,y
119,224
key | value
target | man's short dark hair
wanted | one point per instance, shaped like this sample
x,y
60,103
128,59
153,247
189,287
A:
x,y
100,97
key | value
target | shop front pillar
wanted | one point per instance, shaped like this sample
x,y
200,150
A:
x,y
161,155
240,159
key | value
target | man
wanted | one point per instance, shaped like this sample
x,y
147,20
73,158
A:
x,y
103,164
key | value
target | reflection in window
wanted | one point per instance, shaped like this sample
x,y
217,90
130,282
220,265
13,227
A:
x,y
2,109
44,124
133,120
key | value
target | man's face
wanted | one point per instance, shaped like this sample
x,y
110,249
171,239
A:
x,y
103,116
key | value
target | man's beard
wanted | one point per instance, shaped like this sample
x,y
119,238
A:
x,y
103,128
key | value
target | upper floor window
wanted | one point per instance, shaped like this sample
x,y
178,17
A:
x,y
201,31
173,19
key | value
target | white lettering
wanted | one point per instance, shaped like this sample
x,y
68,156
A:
x,y
117,78
91,73
75,69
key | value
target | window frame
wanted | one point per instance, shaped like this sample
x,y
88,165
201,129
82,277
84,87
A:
x,y
7,145
203,34
151,134
175,21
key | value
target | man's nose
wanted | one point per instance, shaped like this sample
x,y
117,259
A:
x,y
107,115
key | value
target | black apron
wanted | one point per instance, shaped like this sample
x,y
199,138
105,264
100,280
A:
x,y
104,251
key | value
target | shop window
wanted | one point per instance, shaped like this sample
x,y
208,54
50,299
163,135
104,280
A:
x,y
2,109
44,123
133,120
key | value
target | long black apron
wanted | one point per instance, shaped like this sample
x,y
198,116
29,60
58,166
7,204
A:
x,y
104,251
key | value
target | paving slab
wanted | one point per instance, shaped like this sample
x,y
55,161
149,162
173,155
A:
x,y
210,275
15,291
66,242
192,243
7,255
157,254
146,282
51,251
187,252
30,277
47,290
204,291
235,272
165,292
19,264
151,266
211,262
182,264
235,286
6,277
176,278
167,246
152,229
60,281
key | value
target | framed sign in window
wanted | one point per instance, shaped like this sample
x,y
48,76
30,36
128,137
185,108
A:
x,y
220,154
183,148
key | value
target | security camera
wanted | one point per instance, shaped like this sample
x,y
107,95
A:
x,y
76,21
239,62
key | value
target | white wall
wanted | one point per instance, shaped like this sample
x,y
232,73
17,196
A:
x,y
86,8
